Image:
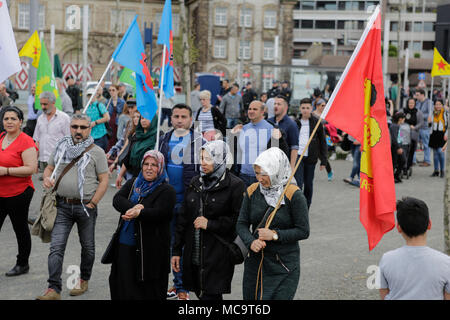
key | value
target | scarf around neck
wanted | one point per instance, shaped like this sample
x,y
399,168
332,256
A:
x,y
143,141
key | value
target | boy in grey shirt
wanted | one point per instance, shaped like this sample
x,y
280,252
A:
x,y
414,271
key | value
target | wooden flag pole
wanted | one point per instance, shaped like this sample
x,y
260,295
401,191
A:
x,y
161,92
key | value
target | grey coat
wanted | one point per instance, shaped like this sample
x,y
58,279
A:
x,y
231,106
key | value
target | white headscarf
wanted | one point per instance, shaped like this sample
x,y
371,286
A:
x,y
276,165
220,153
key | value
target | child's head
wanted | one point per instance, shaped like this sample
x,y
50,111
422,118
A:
x,y
413,217
399,117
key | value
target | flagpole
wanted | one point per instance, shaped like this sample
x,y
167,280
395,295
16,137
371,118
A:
x,y
161,92
98,84
430,104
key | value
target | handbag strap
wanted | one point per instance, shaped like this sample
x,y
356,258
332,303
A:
x,y
70,165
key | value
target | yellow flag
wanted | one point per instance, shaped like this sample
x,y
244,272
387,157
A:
x,y
32,49
440,66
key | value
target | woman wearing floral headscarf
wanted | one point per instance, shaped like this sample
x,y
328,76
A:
x,y
210,210
277,246
140,268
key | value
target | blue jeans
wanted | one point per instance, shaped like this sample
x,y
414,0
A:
x,y
356,152
304,177
177,276
102,142
67,216
248,180
439,159
166,113
424,135
232,122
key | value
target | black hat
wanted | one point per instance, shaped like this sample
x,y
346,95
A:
x,y
69,77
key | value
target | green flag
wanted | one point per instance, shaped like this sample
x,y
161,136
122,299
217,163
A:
x,y
57,69
128,76
45,80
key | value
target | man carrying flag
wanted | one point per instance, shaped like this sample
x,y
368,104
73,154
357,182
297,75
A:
x,y
9,59
357,107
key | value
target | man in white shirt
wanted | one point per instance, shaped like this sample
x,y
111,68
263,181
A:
x,y
51,126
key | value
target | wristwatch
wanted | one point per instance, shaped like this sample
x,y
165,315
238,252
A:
x,y
275,236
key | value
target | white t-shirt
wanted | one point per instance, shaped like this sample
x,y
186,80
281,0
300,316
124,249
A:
x,y
415,273
303,137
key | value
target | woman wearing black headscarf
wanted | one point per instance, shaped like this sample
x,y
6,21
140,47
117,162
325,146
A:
x,y
210,210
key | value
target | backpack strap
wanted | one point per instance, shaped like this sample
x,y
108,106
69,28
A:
x,y
252,188
289,191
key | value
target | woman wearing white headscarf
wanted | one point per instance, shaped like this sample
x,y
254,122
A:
x,y
207,220
278,244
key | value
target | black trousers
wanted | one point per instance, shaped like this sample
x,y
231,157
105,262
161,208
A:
x,y
17,210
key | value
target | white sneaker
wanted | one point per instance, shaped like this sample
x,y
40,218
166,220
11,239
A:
x,y
333,156
349,157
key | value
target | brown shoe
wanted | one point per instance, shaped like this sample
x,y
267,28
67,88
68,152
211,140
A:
x,y
80,288
424,164
50,294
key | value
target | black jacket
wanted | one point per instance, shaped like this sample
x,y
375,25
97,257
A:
x,y
221,207
152,228
220,122
317,149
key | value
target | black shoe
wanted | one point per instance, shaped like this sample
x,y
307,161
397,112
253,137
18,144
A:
x,y
435,174
397,179
442,174
17,271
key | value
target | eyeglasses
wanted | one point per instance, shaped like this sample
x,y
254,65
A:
x,y
76,127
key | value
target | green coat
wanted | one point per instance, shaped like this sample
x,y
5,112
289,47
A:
x,y
281,264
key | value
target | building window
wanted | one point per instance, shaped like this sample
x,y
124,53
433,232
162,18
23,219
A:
x,y
428,26
394,26
361,24
326,5
245,18
221,16
417,26
325,24
307,24
269,50
408,26
428,45
220,48
244,50
296,24
270,19
416,46
308,5
351,5
23,22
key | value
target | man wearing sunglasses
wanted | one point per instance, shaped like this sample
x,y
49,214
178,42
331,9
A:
x,y
78,194
51,125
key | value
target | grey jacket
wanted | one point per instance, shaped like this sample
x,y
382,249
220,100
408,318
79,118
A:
x,y
231,106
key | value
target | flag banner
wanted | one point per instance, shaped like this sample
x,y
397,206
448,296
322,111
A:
x,y
45,79
128,76
9,58
357,107
165,37
130,53
32,49
440,66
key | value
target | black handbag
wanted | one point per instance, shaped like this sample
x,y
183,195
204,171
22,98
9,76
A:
x,y
238,250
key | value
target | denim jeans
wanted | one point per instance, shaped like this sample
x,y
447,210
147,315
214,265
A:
x,y
177,276
356,161
232,122
67,215
424,135
439,159
102,142
304,177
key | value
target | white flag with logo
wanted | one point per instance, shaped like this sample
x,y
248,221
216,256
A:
x,y
9,56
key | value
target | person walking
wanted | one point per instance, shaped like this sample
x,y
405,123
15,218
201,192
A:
x,y
51,126
145,204
425,106
439,137
32,113
413,117
74,93
18,162
78,194
66,102
231,106
195,98
99,115
208,219
278,244
208,119
115,107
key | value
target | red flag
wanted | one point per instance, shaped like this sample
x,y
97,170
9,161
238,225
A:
x,y
357,107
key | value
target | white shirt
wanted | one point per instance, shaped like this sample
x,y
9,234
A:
x,y
303,137
47,133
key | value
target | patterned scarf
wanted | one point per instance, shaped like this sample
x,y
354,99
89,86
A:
x,y
274,163
220,153
66,150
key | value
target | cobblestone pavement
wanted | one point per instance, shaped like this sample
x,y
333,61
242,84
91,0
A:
x,y
334,260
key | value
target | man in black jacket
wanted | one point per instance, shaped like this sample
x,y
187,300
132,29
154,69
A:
x,y
317,149
74,93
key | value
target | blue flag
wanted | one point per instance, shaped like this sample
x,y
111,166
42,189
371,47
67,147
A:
x,y
165,37
131,54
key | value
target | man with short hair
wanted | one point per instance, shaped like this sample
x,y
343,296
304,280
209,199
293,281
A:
x,y
248,96
424,104
78,194
66,102
231,106
274,91
286,91
4,96
74,93
317,149
255,137
51,126
32,113
195,98
180,147
287,126
414,271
